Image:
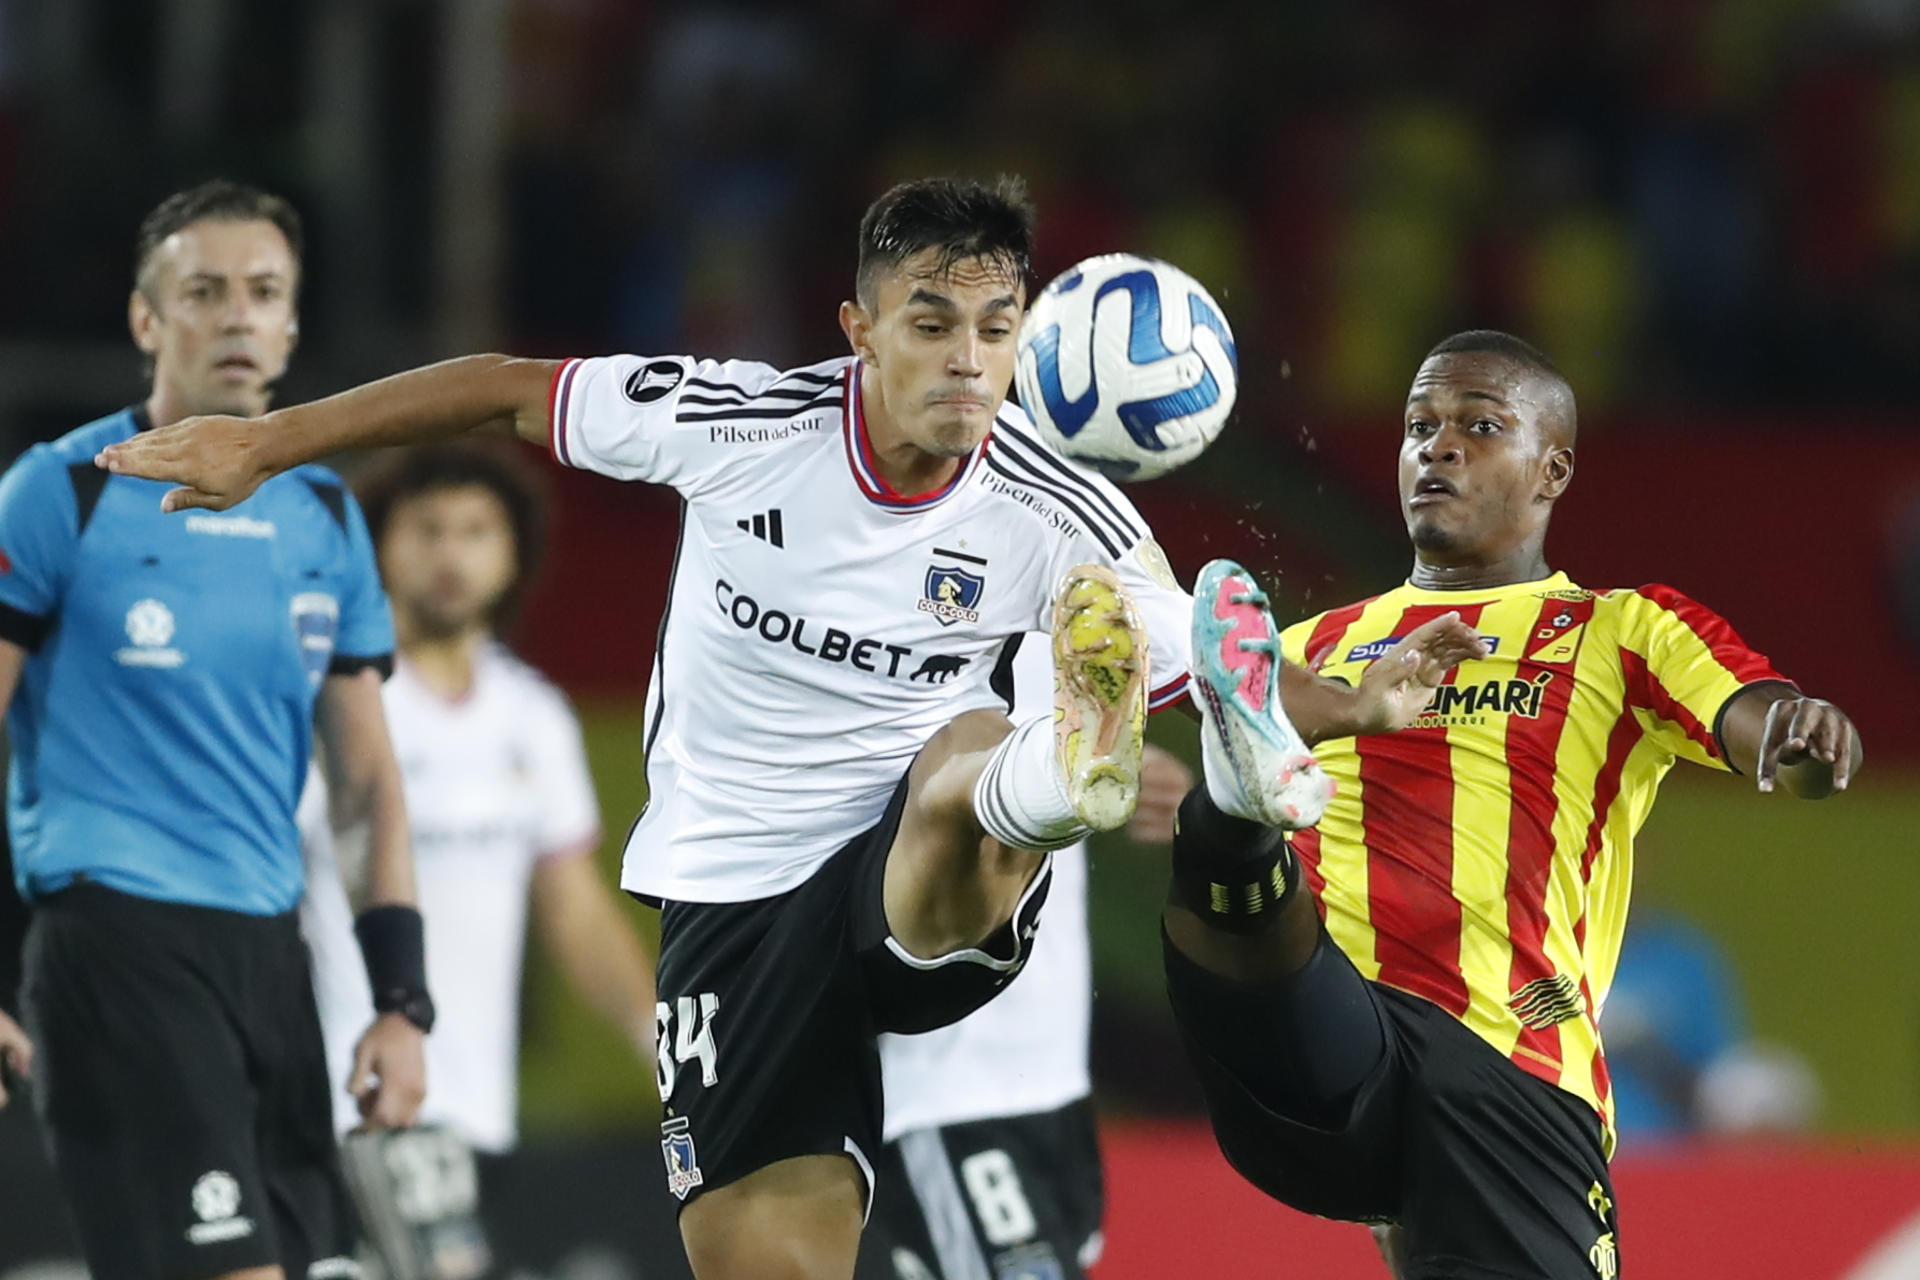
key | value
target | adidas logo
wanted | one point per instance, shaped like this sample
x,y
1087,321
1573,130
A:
x,y
764,527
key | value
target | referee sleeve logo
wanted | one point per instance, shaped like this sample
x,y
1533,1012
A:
x,y
653,380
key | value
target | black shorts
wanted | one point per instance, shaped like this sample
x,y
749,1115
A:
x,y
1011,1198
1489,1171
182,1085
769,1011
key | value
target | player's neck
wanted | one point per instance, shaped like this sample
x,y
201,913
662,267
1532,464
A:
x,y
1528,564
444,664
905,466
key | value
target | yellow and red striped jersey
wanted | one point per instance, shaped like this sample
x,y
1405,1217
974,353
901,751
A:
x,y
1481,859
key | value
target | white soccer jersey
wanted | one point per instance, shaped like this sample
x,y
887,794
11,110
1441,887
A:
x,y
495,781
1024,1051
820,627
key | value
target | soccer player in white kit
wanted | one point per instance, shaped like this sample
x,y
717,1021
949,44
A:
x,y
500,803
846,833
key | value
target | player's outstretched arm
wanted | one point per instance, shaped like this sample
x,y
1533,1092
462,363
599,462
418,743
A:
x,y
218,461
1396,688
1775,736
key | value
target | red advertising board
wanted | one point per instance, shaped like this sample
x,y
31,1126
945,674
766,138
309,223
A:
x,y
1756,1212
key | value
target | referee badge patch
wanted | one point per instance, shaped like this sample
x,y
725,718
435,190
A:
x,y
683,1166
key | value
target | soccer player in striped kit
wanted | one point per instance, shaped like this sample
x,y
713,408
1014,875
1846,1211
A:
x,y
1429,1056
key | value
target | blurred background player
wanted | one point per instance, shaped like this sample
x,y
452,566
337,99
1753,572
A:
x,y
992,1162
1680,1055
1430,1056
499,799
165,680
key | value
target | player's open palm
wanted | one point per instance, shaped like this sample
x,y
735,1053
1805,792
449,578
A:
x,y
389,1073
215,461
1401,683
16,1053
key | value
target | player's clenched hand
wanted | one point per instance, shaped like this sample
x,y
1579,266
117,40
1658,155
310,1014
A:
x,y
1398,686
215,460
1813,738
16,1052
1164,783
389,1073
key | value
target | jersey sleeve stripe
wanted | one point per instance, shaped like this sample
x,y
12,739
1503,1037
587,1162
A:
x,y
1168,694
739,392
761,411
998,462
1645,690
1029,447
735,386
746,398
559,398
1715,632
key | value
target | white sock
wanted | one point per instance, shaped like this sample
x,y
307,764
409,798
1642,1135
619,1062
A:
x,y
1020,799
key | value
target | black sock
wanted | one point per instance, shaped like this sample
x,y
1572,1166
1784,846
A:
x,y
1229,871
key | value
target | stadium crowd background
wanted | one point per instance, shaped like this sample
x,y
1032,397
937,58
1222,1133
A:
x,y
1707,210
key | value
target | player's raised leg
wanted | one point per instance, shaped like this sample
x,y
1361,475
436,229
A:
x,y
987,801
1273,1013
1236,908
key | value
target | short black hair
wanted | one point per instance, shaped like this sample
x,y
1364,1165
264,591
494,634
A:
x,y
409,473
961,217
222,200
1519,350
1528,357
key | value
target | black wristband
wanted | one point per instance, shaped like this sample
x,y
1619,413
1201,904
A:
x,y
393,941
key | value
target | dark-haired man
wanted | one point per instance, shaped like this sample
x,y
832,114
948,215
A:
x,y
1430,1055
846,832
164,680
503,816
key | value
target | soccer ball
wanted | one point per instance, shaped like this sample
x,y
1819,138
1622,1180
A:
x,y
1127,365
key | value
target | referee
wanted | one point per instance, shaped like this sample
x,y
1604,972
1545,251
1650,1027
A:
x,y
163,679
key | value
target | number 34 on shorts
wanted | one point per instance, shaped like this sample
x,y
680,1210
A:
x,y
683,1033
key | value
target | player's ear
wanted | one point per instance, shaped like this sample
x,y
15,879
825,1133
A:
x,y
858,326
144,323
1558,473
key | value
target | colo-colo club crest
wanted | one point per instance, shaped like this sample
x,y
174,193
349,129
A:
x,y
951,594
683,1167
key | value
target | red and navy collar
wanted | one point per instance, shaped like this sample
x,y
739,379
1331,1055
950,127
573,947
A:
x,y
865,474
